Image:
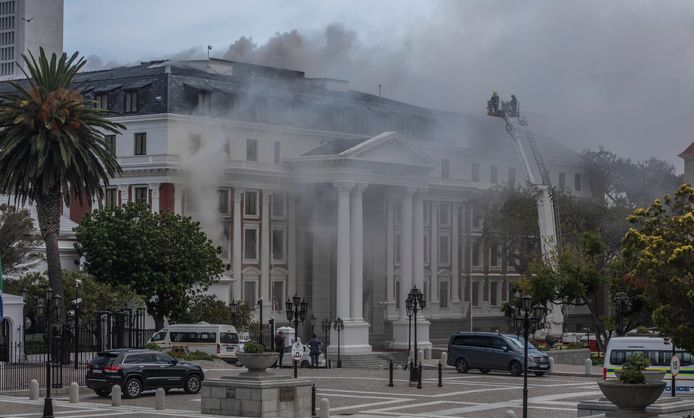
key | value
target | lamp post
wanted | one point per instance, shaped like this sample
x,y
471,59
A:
x,y
338,325
325,326
623,302
233,310
525,316
259,302
415,302
408,310
296,310
51,307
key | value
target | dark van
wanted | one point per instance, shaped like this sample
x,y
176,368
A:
x,y
488,351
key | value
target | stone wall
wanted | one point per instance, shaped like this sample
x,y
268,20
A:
x,y
576,357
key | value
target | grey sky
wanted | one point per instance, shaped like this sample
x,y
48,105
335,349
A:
x,y
618,73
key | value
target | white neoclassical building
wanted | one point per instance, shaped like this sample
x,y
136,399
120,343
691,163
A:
x,y
310,188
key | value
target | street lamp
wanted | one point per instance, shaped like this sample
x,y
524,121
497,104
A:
x,y
51,309
410,312
296,310
338,325
325,326
623,302
415,302
525,316
233,310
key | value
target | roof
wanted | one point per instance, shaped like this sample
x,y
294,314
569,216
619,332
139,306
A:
x,y
689,151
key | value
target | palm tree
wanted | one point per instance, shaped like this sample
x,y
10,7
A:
x,y
53,147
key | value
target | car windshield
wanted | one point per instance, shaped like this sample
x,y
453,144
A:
x,y
518,343
228,338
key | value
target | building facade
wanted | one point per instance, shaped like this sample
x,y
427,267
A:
x,y
310,188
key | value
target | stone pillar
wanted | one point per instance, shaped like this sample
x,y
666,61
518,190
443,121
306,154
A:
x,y
357,253
124,194
265,255
291,246
178,199
401,325
343,250
455,255
434,299
390,253
154,189
418,243
236,244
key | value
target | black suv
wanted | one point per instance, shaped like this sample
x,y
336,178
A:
x,y
138,370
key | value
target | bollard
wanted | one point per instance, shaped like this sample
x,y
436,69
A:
x,y
34,390
330,364
160,399
444,358
115,396
390,373
420,356
74,392
589,366
313,400
509,414
440,375
551,364
324,408
419,378
427,353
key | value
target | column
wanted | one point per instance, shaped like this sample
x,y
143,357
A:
x,y
291,245
124,194
390,253
405,250
343,250
154,189
434,263
178,199
357,253
236,245
418,242
265,254
455,264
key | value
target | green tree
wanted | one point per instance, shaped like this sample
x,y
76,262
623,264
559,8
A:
x,y
660,251
52,146
18,241
164,257
202,307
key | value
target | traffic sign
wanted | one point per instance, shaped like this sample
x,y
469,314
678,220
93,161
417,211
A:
x,y
675,365
297,351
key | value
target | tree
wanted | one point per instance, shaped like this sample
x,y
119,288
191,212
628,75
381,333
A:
x,y
18,241
52,146
203,308
660,251
164,257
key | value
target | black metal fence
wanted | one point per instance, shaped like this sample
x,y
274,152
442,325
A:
x,y
72,346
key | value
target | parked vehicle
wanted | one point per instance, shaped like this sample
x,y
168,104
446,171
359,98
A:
x,y
136,370
220,340
488,351
305,358
658,352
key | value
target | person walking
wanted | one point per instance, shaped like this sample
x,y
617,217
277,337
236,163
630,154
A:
x,y
279,346
314,347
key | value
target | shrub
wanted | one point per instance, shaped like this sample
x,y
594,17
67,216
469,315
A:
x,y
153,346
632,370
253,347
194,355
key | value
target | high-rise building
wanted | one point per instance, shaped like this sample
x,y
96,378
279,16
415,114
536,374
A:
x,y
26,25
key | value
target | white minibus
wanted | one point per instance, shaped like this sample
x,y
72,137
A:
x,y
220,340
656,350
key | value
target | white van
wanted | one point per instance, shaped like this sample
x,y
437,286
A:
x,y
217,339
656,350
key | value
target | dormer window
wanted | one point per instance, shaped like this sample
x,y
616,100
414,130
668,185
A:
x,y
131,97
101,101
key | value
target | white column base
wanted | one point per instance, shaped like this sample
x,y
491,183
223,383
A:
x,y
353,339
401,333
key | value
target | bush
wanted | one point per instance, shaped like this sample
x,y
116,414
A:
x,y
153,346
253,347
193,355
631,372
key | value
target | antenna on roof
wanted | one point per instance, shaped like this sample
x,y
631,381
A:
x,y
209,48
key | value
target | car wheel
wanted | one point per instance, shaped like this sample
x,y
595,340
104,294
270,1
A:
x,y
192,384
305,364
539,373
516,369
485,371
133,388
103,393
461,365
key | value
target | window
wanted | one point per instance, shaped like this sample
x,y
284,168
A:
x,y
494,256
141,195
444,249
577,182
475,293
131,101
443,294
278,296
251,150
138,359
426,248
250,243
101,101
476,253
427,213
444,214
141,143
512,176
278,205
397,294
445,168
562,180
225,241
250,203
277,152
485,290
475,172
504,290
111,198
396,248
494,288
223,199
110,143
493,174
278,245
204,102
228,338
194,144
249,294
476,218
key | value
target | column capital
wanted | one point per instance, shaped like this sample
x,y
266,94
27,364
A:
x,y
358,190
266,193
238,191
154,187
123,188
409,191
343,186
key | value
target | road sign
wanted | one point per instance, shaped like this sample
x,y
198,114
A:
x,y
297,351
675,365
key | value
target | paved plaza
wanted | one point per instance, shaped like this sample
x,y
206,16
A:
x,y
362,393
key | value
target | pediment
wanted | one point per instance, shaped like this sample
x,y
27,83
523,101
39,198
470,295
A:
x,y
388,147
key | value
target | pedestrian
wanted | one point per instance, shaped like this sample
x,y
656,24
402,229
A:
x,y
279,346
314,346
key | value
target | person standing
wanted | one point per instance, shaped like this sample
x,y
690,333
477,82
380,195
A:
x,y
314,347
279,346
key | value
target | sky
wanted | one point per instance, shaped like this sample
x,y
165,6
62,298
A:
x,y
618,74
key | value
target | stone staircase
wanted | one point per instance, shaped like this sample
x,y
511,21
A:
x,y
373,360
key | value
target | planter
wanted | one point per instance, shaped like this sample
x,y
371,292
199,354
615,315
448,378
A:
x,y
632,396
649,374
257,362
